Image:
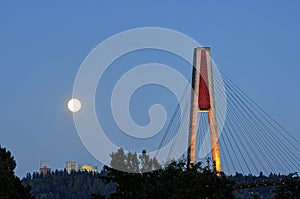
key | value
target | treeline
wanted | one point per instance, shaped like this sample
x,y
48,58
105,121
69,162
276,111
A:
x,y
142,177
61,184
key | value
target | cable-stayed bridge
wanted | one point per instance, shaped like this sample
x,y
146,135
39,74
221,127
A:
x,y
229,127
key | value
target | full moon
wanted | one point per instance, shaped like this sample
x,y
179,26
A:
x,y
74,105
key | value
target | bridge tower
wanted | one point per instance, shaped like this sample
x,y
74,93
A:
x,y
203,100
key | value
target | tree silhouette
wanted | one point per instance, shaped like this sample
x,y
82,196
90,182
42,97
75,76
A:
x,y
175,180
10,185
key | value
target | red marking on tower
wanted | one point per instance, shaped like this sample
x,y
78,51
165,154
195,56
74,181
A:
x,y
203,97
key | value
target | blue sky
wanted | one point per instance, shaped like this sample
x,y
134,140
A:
x,y
42,44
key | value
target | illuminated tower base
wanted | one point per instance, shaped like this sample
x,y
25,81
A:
x,y
203,100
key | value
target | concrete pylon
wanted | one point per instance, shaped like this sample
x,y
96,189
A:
x,y
203,100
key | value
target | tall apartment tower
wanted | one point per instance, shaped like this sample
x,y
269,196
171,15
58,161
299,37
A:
x,y
71,166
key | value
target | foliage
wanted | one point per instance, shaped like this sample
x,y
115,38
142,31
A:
x,y
60,184
290,189
146,178
175,180
10,185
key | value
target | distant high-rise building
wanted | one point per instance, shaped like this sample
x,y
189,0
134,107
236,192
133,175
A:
x,y
45,170
71,166
84,167
74,166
